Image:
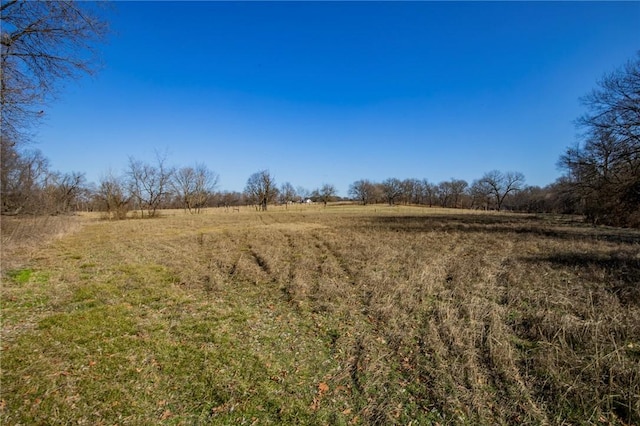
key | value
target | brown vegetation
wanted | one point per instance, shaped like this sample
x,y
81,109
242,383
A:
x,y
22,237
343,315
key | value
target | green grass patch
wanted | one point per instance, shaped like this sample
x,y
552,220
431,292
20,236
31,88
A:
x,y
23,276
20,276
24,290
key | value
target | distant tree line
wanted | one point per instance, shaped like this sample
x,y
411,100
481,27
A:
x,y
146,188
495,190
43,43
261,190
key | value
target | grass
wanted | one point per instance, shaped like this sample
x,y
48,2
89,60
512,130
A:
x,y
338,315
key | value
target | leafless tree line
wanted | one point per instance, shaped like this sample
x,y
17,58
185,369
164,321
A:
x,y
28,186
147,187
494,190
261,190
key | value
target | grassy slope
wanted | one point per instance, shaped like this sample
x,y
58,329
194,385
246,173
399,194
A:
x,y
342,315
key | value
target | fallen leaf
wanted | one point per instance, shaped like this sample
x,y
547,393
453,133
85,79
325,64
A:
x,y
322,388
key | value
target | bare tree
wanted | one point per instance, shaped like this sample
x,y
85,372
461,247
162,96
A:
x,y
411,191
444,193
61,191
430,192
287,194
149,184
480,194
604,170
326,193
612,122
113,197
499,185
392,189
362,190
23,177
193,185
183,184
458,188
261,189
42,43
85,200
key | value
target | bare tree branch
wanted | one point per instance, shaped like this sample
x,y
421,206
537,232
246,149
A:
x,y
604,168
42,43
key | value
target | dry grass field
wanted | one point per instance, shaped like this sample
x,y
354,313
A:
x,y
338,315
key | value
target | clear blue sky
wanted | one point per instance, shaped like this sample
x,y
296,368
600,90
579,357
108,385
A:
x,y
333,92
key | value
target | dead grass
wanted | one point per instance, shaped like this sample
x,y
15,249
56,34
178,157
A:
x,y
22,237
337,315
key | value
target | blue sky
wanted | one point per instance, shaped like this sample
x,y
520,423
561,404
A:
x,y
333,92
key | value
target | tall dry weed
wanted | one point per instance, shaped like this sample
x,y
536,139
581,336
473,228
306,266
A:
x,y
24,236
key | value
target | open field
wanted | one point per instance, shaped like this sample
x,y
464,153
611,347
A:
x,y
338,315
